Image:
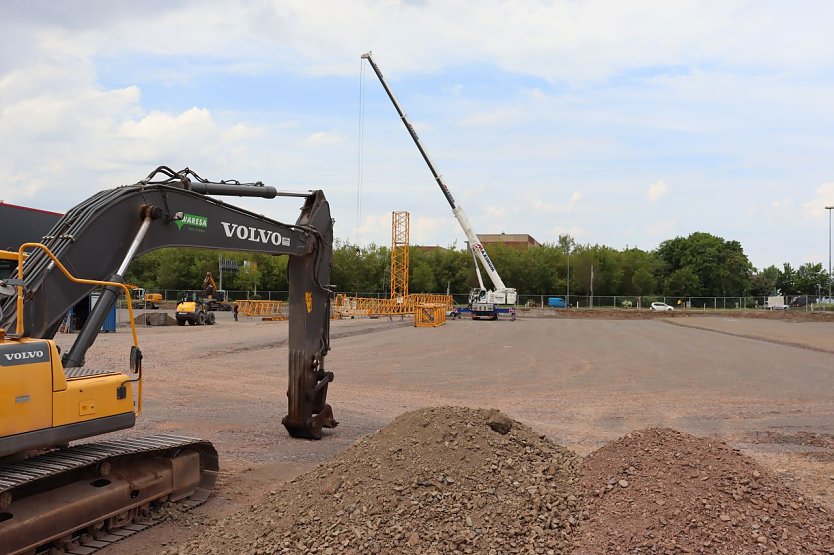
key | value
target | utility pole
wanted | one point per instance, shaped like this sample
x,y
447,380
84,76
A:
x,y
592,286
829,208
220,266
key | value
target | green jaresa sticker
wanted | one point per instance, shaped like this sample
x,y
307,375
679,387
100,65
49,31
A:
x,y
192,220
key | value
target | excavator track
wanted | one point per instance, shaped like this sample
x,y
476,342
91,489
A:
x,y
80,499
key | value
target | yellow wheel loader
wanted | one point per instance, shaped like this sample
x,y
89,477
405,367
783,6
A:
x,y
194,310
78,498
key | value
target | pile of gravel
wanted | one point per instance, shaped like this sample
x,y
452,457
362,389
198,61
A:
x,y
663,491
440,480
457,480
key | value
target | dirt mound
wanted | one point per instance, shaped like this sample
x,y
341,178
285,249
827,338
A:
x,y
441,480
456,480
662,491
154,319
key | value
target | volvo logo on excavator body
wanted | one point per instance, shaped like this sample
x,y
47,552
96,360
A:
x,y
24,356
255,234
14,355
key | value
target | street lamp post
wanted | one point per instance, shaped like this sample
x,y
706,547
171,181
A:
x,y
829,208
567,297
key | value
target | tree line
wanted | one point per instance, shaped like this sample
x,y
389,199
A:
x,y
700,265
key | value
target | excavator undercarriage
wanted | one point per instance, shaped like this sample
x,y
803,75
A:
x,y
82,498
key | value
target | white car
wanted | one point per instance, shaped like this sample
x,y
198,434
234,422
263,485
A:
x,y
661,306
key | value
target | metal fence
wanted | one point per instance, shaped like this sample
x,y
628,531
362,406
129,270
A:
x,y
803,302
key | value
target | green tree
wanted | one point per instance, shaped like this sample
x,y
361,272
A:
x,y
682,282
422,279
764,283
785,284
643,282
810,278
249,276
721,267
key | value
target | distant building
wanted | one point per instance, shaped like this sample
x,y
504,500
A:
x,y
512,240
20,224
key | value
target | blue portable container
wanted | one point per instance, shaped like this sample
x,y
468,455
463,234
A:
x,y
110,322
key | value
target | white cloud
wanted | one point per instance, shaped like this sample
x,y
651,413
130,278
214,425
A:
x,y
373,225
823,196
434,231
575,198
491,118
495,211
538,205
661,229
320,138
657,190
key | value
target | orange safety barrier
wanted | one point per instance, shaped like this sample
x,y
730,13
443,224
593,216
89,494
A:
x,y
359,307
270,309
430,315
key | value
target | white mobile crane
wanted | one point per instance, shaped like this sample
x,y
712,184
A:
x,y
482,302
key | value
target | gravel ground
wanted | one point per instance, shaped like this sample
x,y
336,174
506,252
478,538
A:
x,y
803,334
581,382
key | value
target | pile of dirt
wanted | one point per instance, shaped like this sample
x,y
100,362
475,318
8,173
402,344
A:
x,y
154,319
662,491
441,480
457,480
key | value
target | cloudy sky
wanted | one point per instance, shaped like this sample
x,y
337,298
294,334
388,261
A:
x,y
621,123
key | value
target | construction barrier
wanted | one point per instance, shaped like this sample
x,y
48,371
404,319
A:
x,y
430,315
265,309
360,307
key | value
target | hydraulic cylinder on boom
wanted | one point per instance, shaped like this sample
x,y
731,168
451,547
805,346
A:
x,y
478,297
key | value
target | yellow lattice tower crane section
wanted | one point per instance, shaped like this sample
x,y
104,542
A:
x,y
399,255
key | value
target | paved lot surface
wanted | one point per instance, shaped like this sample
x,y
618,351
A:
x,y
582,382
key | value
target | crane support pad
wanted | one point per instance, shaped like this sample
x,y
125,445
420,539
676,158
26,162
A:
x,y
90,492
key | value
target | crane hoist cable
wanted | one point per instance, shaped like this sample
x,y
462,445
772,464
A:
x,y
359,149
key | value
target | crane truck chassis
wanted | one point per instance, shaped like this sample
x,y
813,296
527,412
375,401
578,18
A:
x,y
66,496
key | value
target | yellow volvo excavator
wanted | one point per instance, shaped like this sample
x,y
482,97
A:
x,y
78,498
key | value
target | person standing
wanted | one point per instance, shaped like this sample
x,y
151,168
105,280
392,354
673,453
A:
x,y
236,309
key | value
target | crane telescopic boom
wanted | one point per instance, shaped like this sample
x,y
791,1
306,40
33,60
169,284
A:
x,y
502,294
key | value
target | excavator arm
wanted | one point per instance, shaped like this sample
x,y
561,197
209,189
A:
x,y
98,238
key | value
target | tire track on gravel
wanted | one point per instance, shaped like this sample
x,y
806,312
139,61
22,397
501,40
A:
x,y
753,337
283,342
